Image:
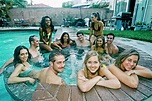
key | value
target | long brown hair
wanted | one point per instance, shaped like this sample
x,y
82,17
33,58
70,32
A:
x,y
124,55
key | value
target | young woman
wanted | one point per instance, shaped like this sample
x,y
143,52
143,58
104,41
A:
x,y
23,71
45,32
64,42
127,70
99,46
94,73
96,27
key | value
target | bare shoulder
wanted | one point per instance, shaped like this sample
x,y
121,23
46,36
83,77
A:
x,y
71,42
19,66
116,47
101,23
81,72
112,67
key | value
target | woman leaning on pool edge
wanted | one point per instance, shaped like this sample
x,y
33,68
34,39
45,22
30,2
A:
x,y
127,70
94,73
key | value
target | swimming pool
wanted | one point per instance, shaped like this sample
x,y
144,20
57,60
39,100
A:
x,y
11,39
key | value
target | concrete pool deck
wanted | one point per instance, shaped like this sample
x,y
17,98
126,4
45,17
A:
x,y
143,92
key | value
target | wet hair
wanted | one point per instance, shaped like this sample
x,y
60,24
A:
x,y
31,38
53,54
124,55
103,40
111,34
79,32
43,24
88,55
97,15
17,53
62,40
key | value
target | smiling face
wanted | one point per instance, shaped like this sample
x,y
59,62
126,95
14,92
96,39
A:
x,y
47,21
23,56
110,39
130,62
65,37
94,19
93,64
58,64
36,41
80,37
99,41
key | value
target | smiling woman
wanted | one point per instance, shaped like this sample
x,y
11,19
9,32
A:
x,y
94,72
127,70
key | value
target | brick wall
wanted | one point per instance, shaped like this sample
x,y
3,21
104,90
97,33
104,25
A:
x,y
34,15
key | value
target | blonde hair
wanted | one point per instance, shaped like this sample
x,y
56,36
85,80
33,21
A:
x,y
88,55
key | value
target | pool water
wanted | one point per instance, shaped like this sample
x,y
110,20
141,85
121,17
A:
x,y
11,39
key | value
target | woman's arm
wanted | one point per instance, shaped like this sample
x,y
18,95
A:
x,y
142,71
112,81
86,84
6,64
57,44
129,80
15,79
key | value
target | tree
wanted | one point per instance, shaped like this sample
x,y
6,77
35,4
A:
x,y
68,4
5,5
99,5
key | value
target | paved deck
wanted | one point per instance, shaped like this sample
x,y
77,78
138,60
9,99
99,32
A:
x,y
46,92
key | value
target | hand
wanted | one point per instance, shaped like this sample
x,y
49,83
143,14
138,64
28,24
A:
x,y
101,79
60,48
129,73
31,80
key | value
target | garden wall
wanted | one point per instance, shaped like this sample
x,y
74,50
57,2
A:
x,y
33,15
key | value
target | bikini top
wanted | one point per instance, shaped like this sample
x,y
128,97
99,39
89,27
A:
x,y
46,35
63,46
98,29
26,73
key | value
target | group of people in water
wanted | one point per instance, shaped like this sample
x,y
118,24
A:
x,y
95,71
